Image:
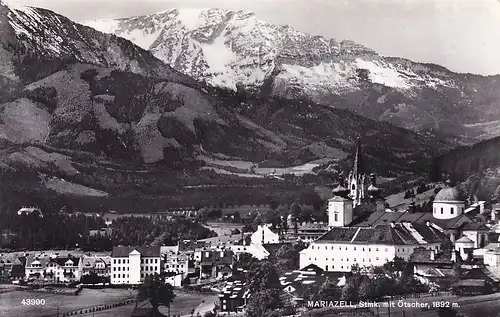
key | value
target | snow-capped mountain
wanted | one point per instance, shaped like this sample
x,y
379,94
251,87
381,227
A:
x,y
235,48
226,48
40,34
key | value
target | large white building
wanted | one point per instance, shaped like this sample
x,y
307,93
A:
x,y
53,268
130,265
492,254
342,247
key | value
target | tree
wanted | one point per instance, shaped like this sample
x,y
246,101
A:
x,y
286,258
329,291
246,261
263,276
367,289
350,291
157,292
264,303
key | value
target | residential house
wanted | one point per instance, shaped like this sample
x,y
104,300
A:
x,y
258,251
431,266
12,267
264,235
492,254
176,267
130,265
52,268
101,266
216,264
295,284
234,296
309,232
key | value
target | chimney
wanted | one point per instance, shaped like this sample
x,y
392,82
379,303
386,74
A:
x,y
433,255
454,256
428,223
393,224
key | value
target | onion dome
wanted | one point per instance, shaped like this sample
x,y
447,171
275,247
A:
x,y
449,194
340,190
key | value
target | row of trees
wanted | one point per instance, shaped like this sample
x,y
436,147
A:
x,y
67,231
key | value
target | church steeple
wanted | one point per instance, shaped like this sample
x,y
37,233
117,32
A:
x,y
358,181
358,160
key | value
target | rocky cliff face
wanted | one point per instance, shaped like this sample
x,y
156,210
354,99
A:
x,y
234,49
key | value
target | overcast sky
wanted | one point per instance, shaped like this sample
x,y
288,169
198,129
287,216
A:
x,y
463,35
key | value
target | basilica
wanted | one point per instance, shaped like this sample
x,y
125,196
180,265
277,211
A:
x,y
361,230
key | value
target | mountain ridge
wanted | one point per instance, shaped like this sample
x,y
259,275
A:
x,y
237,50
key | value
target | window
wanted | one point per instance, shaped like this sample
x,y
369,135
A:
x,y
114,275
326,248
369,249
376,249
326,268
441,210
114,261
386,250
336,217
376,259
142,261
353,187
312,247
354,248
119,261
451,210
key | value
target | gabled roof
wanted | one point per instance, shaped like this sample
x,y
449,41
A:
x,y
475,226
339,235
423,256
123,252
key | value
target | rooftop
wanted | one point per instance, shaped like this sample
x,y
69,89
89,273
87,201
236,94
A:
x,y
123,252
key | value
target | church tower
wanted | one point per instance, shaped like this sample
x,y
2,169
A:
x,y
340,207
358,182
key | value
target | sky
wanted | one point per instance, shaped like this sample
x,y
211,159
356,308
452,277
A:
x,y
462,35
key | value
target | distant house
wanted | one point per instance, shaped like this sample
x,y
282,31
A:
x,y
309,232
216,264
295,284
258,251
130,265
29,210
100,266
492,254
103,232
432,266
264,235
471,287
234,296
52,268
176,267
12,267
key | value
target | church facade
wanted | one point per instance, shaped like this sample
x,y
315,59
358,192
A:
x,y
363,232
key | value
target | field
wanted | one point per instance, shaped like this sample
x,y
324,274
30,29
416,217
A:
x,y
11,306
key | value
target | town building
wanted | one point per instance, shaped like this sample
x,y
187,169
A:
x,y
433,266
100,266
342,247
53,268
234,296
176,267
492,254
216,264
130,265
264,235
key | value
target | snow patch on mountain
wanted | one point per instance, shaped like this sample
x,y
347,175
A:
x,y
189,17
383,74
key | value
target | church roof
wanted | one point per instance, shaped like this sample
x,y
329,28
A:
x,y
397,234
449,194
358,159
382,217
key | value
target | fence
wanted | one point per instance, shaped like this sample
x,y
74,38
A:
x,y
92,309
